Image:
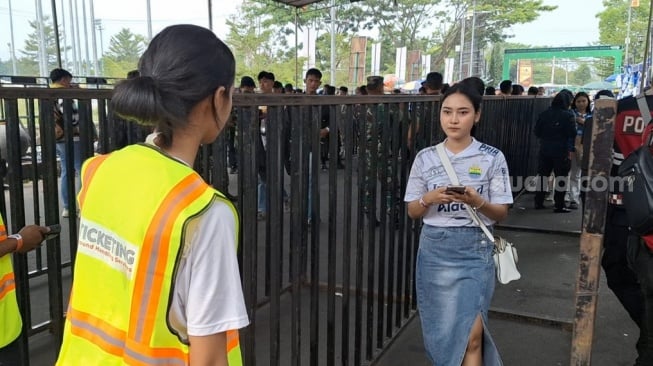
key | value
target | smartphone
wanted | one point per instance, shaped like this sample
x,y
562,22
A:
x,y
54,231
456,189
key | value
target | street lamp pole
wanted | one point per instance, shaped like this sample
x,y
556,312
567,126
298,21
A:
x,y
12,49
471,44
96,68
149,21
462,47
630,12
333,42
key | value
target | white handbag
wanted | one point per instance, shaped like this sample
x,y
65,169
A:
x,y
505,253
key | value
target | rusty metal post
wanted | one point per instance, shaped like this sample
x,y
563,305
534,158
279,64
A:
x,y
591,241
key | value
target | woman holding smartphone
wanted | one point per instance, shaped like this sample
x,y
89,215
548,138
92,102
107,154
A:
x,y
455,271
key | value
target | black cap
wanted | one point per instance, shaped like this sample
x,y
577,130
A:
x,y
247,81
433,80
374,81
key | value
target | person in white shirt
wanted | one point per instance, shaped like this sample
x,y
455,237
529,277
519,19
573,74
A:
x,y
455,270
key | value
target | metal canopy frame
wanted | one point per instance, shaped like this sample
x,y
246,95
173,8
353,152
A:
x,y
297,3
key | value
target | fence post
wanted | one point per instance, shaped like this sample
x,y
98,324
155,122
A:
x,y
17,219
591,241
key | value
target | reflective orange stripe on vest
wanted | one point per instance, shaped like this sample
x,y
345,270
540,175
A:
x,y
7,284
154,255
89,172
233,340
134,345
3,232
115,342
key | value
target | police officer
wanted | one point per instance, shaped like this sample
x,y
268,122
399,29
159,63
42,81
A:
x,y
25,240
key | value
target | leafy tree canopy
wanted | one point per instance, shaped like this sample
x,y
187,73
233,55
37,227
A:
x,y
432,26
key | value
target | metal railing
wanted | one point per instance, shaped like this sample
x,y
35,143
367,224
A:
x,y
328,272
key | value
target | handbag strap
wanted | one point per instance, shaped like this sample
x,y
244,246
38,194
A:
x,y
446,163
646,114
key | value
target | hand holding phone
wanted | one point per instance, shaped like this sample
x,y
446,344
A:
x,y
460,189
55,230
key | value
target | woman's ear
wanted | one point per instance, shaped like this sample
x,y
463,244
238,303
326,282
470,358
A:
x,y
222,104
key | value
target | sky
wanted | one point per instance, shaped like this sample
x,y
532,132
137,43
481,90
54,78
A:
x,y
573,24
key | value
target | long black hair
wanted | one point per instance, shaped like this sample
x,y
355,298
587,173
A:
x,y
183,65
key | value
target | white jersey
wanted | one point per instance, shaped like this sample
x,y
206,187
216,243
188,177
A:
x,y
480,166
208,297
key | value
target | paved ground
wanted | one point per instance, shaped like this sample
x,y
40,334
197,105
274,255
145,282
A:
x,y
549,265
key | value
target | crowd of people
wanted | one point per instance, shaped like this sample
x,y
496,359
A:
x,y
163,286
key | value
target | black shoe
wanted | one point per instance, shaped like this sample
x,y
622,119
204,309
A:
x,y
341,166
562,210
573,206
234,170
539,206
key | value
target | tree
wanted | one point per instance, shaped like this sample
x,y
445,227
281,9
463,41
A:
x,y
582,75
29,62
613,30
125,49
126,46
256,48
492,18
400,23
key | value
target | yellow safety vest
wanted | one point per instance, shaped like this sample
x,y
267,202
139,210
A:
x,y
10,321
128,249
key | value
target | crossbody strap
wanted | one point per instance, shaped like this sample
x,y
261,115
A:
x,y
643,108
646,114
446,163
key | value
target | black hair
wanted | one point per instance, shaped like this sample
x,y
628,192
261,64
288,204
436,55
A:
x,y
344,89
266,75
506,86
289,87
183,65
603,93
490,90
533,90
58,74
277,85
363,89
517,89
476,83
562,99
330,90
471,93
315,72
581,94
445,87
133,74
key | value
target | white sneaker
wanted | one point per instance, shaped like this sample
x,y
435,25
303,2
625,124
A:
x,y
65,213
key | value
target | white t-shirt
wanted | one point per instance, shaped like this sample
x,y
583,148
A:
x,y
480,166
208,296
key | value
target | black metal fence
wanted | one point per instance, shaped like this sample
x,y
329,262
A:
x,y
327,270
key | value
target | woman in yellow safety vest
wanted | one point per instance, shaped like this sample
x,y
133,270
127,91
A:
x,y
11,323
156,275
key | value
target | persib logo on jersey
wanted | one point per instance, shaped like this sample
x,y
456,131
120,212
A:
x,y
100,243
474,171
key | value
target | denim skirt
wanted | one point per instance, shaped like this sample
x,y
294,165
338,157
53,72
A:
x,y
455,282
